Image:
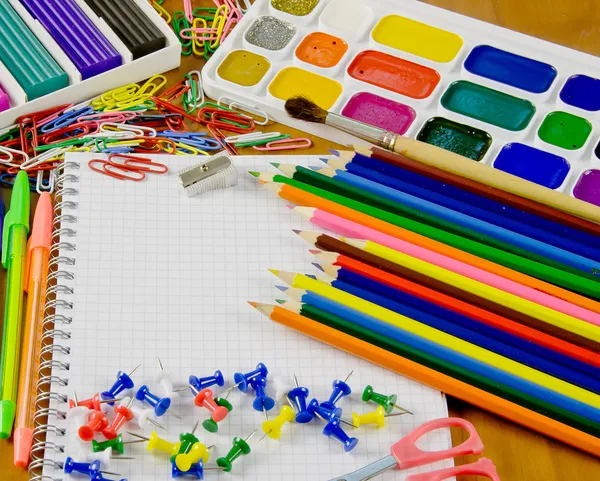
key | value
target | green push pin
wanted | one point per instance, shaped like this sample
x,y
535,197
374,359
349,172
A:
x,y
117,444
187,440
387,402
240,448
210,425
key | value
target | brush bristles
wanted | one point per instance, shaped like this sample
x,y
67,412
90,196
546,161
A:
x,y
302,108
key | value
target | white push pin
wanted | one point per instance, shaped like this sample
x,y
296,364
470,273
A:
x,y
282,388
77,416
143,416
164,381
105,457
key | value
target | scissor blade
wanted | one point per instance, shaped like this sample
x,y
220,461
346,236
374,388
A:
x,y
369,471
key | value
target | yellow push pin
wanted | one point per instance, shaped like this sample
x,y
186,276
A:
x,y
376,417
198,452
273,427
156,443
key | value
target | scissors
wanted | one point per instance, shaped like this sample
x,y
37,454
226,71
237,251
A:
x,y
406,455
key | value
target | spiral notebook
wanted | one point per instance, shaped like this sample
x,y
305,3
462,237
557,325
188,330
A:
x,y
152,273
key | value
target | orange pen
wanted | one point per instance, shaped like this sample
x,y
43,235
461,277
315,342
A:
x,y
35,283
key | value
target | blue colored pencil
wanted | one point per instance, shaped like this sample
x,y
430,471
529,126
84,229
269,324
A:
x,y
532,245
453,357
474,205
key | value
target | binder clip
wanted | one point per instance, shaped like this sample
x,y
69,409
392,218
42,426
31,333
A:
x,y
216,173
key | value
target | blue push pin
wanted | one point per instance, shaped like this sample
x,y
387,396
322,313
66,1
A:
x,y
196,470
122,383
262,401
334,429
243,380
84,468
160,405
98,477
201,383
322,411
298,396
340,390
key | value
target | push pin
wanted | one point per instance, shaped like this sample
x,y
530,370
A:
x,y
243,380
98,477
199,452
164,381
196,470
186,441
262,402
160,405
387,402
201,383
376,417
117,444
282,388
240,448
205,399
209,424
272,428
123,415
156,443
334,429
299,396
96,423
144,416
94,403
122,383
77,415
70,466
324,412
340,390
105,457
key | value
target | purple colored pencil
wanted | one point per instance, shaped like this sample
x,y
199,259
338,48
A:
x,y
76,35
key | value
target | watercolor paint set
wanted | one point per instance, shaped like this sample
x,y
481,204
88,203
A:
x,y
520,104
64,52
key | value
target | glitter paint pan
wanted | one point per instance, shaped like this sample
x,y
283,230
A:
x,y
270,34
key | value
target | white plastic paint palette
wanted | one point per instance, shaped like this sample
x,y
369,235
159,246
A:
x,y
518,103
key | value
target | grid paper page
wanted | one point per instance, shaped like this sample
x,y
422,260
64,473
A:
x,y
160,274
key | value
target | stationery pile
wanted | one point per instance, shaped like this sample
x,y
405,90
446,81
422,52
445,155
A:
x,y
486,296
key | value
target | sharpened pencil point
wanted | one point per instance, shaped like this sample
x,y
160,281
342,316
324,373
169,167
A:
x,y
282,288
297,231
275,272
335,152
311,276
275,164
280,301
314,252
318,266
315,167
255,174
290,206
323,159
253,304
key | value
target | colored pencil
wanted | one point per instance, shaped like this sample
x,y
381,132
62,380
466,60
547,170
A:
x,y
486,174
478,276
335,264
459,325
544,243
481,188
443,193
331,244
485,257
444,360
301,281
377,205
461,390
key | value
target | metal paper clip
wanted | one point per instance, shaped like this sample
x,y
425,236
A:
x,y
217,172
252,137
41,186
285,144
242,107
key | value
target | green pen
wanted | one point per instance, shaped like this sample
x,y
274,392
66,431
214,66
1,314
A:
x,y
14,251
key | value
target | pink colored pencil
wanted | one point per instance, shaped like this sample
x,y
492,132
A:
x,y
352,229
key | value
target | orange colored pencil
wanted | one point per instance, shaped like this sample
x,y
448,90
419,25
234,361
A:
x,y
429,377
301,197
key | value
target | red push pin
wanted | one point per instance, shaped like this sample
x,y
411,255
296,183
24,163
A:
x,y
123,414
96,423
205,399
93,404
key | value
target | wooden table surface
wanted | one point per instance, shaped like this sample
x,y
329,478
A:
x,y
519,454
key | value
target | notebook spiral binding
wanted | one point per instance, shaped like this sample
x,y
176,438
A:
x,y
51,372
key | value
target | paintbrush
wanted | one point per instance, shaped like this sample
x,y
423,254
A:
x,y
302,108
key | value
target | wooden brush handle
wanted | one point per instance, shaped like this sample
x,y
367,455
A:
x,y
485,174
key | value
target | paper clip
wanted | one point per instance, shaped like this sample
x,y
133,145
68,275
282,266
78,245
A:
x,y
188,9
132,162
66,119
189,82
252,137
9,152
242,107
113,170
161,11
284,144
246,6
8,180
40,186
138,130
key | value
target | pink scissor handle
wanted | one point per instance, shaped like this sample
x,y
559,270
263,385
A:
x,y
408,455
484,467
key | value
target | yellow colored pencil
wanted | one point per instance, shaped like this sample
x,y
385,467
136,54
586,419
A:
x,y
302,282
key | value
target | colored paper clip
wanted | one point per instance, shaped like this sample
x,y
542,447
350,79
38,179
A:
x,y
194,96
242,107
189,11
141,164
112,170
66,119
157,144
198,45
186,149
137,130
252,137
286,144
226,120
161,11
9,152
246,6
8,180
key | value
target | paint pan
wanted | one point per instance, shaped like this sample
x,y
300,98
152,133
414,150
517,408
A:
x,y
462,139
244,68
349,19
380,112
582,92
532,164
321,50
588,187
565,130
293,81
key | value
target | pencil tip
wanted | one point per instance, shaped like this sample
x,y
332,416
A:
x,y
275,272
335,152
282,288
254,174
324,159
253,304
297,231
315,252
276,164
318,266
311,276
315,167
290,206
280,301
